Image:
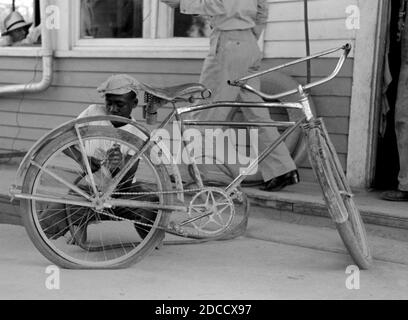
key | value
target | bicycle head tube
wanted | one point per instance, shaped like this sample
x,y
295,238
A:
x,y
304,101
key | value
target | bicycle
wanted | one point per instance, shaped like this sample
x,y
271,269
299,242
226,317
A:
x,y
101,207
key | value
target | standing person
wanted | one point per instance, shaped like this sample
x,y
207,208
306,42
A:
x,y
18,32
234,53
401,124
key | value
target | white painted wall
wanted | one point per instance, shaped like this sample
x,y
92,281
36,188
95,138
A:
x,y
285,34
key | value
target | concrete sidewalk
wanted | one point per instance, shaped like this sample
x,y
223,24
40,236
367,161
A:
x,y
275,260
283,255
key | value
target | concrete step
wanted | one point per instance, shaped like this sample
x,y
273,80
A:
x,y
304,202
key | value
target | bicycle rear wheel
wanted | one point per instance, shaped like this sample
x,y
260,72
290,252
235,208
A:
x,y
338,195
78,236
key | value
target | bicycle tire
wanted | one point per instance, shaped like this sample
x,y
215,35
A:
x,y
338,195
32,226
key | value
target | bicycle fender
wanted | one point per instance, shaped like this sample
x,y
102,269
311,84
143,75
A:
x,y
37,147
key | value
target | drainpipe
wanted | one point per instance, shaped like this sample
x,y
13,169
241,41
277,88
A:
x,y
47,58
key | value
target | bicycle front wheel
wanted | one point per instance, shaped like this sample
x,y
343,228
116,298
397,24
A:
x,y
68,230
338,195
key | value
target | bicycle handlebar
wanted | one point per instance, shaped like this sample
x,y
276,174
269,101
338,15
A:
x,y
242,82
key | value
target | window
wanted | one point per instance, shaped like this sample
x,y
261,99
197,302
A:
x,y
111,19
128,18
20,35
186,25
25,7
140,25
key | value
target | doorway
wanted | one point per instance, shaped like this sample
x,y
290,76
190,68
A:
x,y
387,162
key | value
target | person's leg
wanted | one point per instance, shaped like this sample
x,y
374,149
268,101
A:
x,y
402,139
278,162
214,75
236,54
401,125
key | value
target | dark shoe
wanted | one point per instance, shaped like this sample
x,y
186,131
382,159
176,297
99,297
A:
x,y
395,195
281,182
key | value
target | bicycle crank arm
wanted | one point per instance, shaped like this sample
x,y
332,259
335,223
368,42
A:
x,y
194,219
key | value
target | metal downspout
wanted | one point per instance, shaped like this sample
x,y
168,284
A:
x,y
47,57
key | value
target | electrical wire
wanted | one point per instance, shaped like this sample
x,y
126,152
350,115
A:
x,y
307,38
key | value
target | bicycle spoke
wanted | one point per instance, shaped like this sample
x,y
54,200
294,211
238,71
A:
x,y
86,234
86,161
63,181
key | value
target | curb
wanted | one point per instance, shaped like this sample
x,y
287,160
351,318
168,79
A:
x,y
314,206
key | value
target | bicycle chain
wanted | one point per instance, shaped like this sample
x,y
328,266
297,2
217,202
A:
x,y
156,192
131,221
147,193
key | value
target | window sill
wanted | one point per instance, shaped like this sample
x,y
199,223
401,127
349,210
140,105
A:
x,y
95,52
32,51
140,52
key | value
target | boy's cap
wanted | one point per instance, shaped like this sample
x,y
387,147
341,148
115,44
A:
x,y
119,84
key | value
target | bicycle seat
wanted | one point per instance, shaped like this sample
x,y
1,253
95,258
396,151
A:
x,y
175,92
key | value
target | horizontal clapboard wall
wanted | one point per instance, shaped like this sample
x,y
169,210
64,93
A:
x,y
285,33
24,119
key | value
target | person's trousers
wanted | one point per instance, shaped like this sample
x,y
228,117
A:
x,y
401,113
233,55
401,127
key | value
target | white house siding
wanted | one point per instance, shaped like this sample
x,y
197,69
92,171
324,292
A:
x,y
23,119
285,37
285,34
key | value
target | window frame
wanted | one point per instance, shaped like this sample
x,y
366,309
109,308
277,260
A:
x,y
157,43
23,51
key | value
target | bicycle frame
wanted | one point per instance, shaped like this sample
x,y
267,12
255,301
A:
x,y
303,105
105,201
212,213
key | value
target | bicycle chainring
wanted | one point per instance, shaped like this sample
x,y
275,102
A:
x,y
211,212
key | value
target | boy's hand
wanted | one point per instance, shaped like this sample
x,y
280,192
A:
x,y
172,3
115,157
95,164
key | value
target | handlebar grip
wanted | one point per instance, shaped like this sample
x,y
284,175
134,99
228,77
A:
x,y
347,48
235,83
